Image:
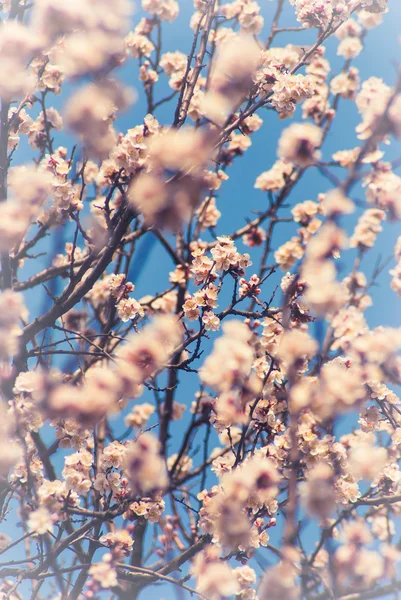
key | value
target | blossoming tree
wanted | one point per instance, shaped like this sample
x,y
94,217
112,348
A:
x,y
114,479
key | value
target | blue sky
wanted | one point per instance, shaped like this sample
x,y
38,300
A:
x,y
237,197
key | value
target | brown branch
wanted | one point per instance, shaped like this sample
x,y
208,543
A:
x,y
188,89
